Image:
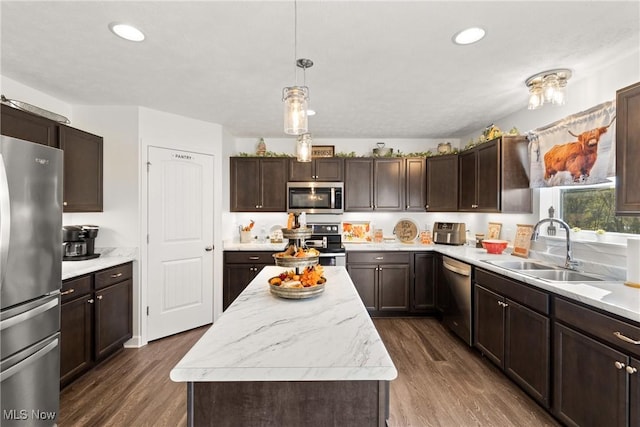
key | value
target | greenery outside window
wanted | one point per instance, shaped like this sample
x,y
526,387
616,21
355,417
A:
x,y
594,209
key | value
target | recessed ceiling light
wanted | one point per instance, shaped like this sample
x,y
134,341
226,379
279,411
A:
x,y
126,31
470,35
311,112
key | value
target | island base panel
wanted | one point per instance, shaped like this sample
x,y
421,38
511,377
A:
x,y
288,403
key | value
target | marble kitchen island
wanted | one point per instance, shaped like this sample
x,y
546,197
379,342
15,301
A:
x,y
270,361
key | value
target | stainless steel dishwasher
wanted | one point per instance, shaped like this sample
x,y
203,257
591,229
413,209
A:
x,y
457,315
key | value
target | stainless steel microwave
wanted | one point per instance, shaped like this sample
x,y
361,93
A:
x,y
315,197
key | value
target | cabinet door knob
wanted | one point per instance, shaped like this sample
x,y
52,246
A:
x,y
90,301
99,297
208,248
619,365
64,203
426,206
631,370
67,292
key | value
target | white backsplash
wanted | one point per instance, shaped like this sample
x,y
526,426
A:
x,y
606,258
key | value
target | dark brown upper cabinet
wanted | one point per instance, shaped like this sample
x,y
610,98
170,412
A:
x,y
628,151
374,184
442,183
82,170
258,184
328,169
415,184
29,127
493,177
82,155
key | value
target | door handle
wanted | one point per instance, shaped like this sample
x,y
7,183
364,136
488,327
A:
x,y
208,248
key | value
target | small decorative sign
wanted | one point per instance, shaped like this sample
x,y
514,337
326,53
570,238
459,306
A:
x,y
322,150
494,230
522,242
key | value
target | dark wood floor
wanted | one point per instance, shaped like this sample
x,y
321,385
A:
x,y
441,382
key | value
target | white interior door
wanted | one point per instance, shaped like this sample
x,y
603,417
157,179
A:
x,y
180,245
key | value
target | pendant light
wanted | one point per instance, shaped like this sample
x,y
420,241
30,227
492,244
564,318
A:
x,y
303,147
296,97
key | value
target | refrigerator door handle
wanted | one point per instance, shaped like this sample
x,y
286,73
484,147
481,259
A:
x,y
8,373
5,220
29,314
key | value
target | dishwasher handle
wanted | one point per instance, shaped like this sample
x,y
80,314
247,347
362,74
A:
x,y
455,269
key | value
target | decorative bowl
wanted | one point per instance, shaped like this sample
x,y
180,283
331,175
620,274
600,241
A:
x,y
494,246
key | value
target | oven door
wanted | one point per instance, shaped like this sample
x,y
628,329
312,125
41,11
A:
x,y
314,197
333,259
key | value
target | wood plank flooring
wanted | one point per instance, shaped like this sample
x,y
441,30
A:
x,y
441,382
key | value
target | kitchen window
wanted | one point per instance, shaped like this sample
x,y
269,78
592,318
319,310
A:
x,y
589,208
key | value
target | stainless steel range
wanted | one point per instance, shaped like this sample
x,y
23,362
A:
x,y
327,239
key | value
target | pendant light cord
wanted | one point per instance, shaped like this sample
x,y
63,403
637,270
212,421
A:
x,y
295,41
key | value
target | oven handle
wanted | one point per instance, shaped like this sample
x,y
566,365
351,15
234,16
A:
x,y
8,373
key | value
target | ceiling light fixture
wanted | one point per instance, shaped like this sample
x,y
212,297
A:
x,y
126,31
469,36
548,87
296,97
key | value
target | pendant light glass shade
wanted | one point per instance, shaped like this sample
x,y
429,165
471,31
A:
x,y
303,147
548,87
295,110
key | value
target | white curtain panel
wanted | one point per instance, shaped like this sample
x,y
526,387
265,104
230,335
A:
x,y
577,150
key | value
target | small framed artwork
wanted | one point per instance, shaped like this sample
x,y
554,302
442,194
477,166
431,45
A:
x,y
322,150
494,230
522,242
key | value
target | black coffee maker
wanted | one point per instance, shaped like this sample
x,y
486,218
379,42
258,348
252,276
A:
x,y
78,242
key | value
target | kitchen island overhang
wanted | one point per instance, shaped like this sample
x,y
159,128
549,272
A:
x,y
274,361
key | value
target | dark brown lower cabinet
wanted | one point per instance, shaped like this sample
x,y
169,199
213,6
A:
x,y
596,368
514,336
95,318
240,268
423,295
588,389
76,331
383,286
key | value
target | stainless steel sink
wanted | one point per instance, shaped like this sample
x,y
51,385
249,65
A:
x,y
562,275
522,265
544,271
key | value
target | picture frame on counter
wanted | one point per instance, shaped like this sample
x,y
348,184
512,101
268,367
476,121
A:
x,y
522,241
322,151
494,230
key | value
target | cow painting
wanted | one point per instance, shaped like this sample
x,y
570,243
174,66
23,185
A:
x,y
577,157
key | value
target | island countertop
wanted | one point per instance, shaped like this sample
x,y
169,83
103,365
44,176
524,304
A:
x,y
261,337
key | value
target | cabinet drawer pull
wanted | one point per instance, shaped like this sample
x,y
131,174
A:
x,y
379,258
115,276
619,365
70,291
631,370
254,258
626,339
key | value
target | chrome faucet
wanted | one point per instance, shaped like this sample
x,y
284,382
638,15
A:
x,y
569,263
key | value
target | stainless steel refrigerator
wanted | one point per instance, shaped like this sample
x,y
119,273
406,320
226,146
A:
x,y
30,280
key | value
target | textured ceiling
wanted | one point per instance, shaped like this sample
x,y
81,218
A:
x,y
382,68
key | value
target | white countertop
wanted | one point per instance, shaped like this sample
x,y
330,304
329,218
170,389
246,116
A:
x,y
261,337
611,296
109,257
